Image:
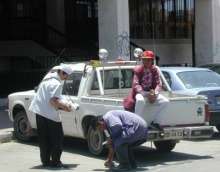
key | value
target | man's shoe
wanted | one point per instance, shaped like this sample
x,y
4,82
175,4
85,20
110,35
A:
x,y
46,164
121,168
58,165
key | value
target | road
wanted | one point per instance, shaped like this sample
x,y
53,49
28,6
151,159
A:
x,y
190,156
4,120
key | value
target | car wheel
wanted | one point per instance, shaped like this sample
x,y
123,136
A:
x,y
165,146
95,139
21,127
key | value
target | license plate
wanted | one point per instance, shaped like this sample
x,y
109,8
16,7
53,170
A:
x,y
218,100
174,134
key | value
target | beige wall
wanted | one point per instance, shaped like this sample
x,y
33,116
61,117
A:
x,y
207,32
169,51
114,27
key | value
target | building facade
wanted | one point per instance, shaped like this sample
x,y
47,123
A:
x,y
40,33
179,31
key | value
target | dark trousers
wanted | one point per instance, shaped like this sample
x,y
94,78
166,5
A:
x,y
125,154
50,136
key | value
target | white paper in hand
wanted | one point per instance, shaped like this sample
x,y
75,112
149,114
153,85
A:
x,y
74,106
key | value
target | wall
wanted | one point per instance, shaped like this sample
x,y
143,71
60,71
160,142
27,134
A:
x,y
207,36
55,14
114,27
216,31
169,51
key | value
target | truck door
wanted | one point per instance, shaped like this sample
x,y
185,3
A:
x,y
70,93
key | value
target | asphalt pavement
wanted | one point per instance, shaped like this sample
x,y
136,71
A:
x,y
6,126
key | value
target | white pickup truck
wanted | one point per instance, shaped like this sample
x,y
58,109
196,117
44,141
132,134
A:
x,y
96,92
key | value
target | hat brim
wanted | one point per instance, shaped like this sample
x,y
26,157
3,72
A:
x,y
147,57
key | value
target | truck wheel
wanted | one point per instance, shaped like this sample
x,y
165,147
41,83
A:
x,y
95,139
165,146
21,127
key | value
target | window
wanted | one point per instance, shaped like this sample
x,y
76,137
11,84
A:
x,y
168,79
161,19
198,79
115,79
71,85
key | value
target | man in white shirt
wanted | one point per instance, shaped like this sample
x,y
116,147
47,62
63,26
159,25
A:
x,y
45,105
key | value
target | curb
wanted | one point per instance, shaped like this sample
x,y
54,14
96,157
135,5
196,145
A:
x,y
6,135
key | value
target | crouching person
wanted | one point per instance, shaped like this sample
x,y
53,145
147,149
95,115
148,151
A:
x,y
126,130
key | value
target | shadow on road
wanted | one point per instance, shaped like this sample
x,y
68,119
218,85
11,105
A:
x,y
67,167
145,156
150,157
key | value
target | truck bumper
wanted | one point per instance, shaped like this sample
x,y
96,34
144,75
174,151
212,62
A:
x,y
181,133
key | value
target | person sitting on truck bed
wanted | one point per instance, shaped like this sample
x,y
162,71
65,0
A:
x,y
146,86
126,130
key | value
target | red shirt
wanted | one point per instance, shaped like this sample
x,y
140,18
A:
x,y
146,79
143,80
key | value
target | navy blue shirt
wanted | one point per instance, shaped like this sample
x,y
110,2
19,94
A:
x,y
125,127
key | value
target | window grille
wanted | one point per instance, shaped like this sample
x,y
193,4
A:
x,y
161,19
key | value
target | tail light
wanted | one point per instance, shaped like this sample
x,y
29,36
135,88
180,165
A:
x,y
207,113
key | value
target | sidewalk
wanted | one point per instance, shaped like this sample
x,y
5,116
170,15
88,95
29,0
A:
x,y
6,135
3,103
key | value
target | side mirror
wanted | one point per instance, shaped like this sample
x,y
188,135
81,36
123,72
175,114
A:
x,y
103,54
138,53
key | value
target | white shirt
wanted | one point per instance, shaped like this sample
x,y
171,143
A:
x,y
50,87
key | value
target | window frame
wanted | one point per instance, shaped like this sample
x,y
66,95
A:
x,y
75,90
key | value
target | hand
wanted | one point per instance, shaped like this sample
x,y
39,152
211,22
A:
x,y
68,108
74,106
152,96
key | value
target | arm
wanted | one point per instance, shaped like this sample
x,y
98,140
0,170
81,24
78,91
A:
x,y
157,85
136,83
116,131
157,81
56,103
110,156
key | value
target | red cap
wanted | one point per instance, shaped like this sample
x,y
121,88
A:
x,y
148,55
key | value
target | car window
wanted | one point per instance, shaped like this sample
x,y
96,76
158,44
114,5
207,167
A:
x,y
197,79
167,77
71,85
115,79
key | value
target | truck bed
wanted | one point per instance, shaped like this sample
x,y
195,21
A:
x,y
181,110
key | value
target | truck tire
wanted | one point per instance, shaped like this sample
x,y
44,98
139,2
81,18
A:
x,y
21,126
95,139
165,146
